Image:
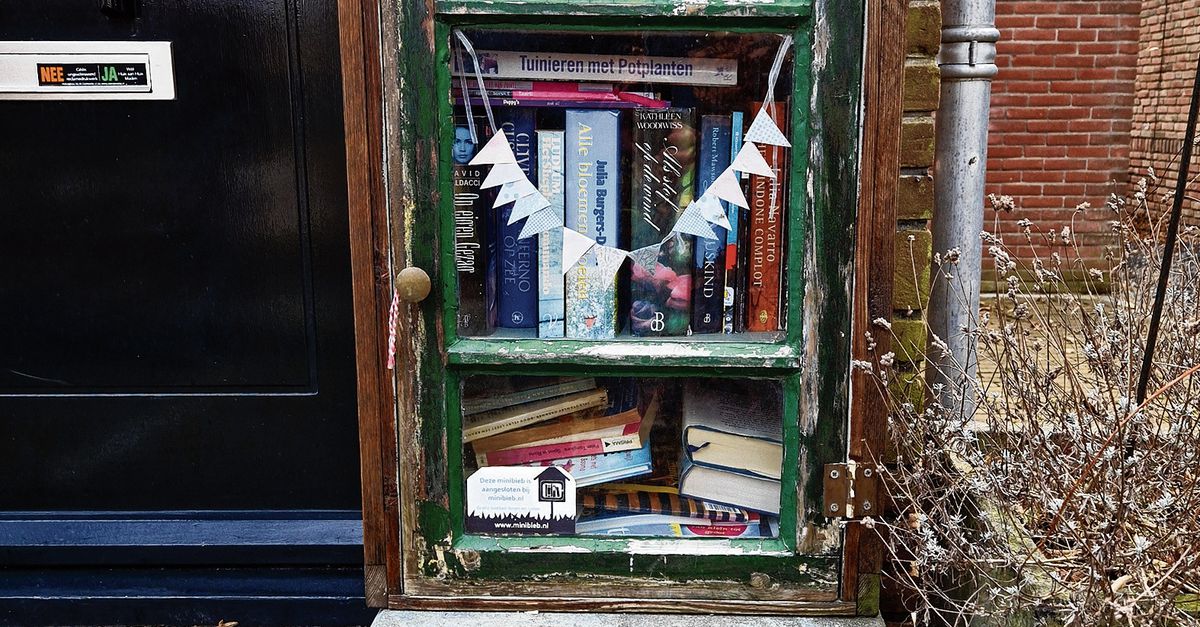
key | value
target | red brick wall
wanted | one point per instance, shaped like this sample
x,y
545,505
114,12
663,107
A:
x,y
1170,44
1061,109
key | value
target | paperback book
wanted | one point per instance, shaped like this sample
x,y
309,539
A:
x,y
733,266
517,293
662,181
632,68
474,247
510,418
593,469
551,297
767,201
485,393
593,192
708,269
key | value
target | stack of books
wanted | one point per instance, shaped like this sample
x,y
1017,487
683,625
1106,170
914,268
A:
x,y
650,510
733,444
598,433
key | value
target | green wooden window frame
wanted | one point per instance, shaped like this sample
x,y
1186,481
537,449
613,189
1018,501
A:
x,y
815,231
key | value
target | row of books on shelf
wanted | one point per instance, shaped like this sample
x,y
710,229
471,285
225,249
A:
x,y
714,473
621,177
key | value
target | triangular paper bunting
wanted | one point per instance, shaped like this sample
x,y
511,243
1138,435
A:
x,y
608,260
513,190
502,173
764,131
728,187
527,206
692,223
646,258
712,211
494,152
539,222
575,246
749,159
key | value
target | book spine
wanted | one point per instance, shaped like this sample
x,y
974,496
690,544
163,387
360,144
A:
x,y
634,68
561,450
592,189
551,305
767,208
472,251
516,302
732,212
577,103
708,269
663,183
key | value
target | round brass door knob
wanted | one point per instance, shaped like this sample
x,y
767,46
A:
x,y
412,284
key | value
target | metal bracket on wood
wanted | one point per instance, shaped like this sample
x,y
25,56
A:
x,y
850,490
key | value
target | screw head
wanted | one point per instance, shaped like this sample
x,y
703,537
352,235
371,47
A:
x,y
833,474
833,507
866,505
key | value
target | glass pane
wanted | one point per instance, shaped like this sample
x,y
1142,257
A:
x,y
618,134
635,457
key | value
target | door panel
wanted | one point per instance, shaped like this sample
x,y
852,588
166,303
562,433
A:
x,y
175,274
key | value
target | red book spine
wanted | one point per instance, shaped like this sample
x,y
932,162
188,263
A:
x,y
548,452
767,199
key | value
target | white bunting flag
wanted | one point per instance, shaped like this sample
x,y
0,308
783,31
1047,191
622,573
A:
x,y
647,257
713,211
749,159
513,190
539,222
575,246
609,260
764,131
496,151
527,206
692,223
728,187
502,173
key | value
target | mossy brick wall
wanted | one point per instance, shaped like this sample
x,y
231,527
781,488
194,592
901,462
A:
x,y
1169,44
914,199
1060,117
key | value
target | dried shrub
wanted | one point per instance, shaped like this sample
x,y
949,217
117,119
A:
x,y
1058,501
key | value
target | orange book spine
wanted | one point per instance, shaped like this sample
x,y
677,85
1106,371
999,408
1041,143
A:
x,y
768,202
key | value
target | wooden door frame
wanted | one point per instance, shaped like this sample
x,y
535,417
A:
x,y
371,269
383,397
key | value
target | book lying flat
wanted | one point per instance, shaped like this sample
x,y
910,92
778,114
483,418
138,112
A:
x,y
662,525
734,488
510,418
613,439
593,469
481,396
647,499
738,426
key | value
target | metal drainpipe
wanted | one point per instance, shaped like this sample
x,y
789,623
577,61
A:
x,y
967,63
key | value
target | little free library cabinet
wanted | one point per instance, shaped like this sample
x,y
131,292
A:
x,y
613,261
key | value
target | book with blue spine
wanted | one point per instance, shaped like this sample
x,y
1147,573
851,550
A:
x,y
708,270
551,298
592,187
516,265
733,212
593,469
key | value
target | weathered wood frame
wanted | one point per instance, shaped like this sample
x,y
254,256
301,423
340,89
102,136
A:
x,y
381,196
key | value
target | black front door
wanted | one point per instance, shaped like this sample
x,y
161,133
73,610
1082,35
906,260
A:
x,y
176,337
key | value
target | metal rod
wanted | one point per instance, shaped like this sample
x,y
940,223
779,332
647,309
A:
x,y
1164,272
967,63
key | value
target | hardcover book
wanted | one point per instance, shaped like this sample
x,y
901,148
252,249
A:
x,y
733,213
708,269
551,298
510,418
517,293
767,199
662,181
593,192
474,248
733,448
